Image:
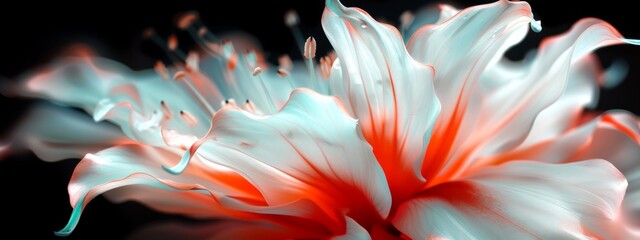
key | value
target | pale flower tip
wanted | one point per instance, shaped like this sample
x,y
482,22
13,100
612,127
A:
x,y
185,20
172,42
257,71
310,48
291,18
536,25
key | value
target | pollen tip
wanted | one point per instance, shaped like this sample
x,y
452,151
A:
x,y
285,62
246,101
310,48
257,71
291,18
172,42
406,19
179,75
202,31
283,72
161,69
185,20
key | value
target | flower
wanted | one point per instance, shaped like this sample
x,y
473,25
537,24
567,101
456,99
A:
x,y
443,138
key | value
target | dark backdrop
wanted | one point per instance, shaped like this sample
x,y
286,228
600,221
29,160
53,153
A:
x,y
33,194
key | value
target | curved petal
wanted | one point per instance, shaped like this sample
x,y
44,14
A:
x,y
138,165
432,14
54,133
318,156
613,136
460,49
354,231
517,200
501,118
383,87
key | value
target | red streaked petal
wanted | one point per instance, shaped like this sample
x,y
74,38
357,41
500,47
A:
x,y
391,94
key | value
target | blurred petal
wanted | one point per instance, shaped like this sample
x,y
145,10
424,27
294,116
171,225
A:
x,y
383,87
517,200
432,14
54,133
110,91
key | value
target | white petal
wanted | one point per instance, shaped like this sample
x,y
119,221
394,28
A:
x,y
309,150
140,166
613,136
490,120
460,49
518,200
390,94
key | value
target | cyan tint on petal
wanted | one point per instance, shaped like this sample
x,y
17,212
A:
x,y
55,133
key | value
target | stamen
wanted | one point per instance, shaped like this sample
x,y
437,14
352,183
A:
x,y
230,54
229,102
180,75
285,74
309,54
285,62
291,20
165,110
270,104
188,118
166,47
187,19
192,61
161,70
325,67
249,106
310,48
405,22
172,42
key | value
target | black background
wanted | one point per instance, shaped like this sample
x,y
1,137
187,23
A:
x,y
33,194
